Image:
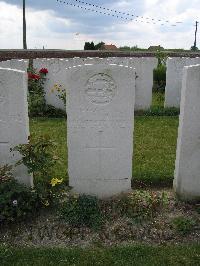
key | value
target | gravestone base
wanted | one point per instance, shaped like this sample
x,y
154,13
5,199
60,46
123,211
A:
x,y
101,188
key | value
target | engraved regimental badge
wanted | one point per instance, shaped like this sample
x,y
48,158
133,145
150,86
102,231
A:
x,y
100,89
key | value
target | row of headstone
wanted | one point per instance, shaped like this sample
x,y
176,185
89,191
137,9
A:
x,y
174,78
56,67
100,128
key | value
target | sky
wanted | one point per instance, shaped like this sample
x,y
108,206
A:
x,y
55,25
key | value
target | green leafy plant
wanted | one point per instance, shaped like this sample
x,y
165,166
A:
x,y
17,202
39,157
183,225
82,211
159,77
52,111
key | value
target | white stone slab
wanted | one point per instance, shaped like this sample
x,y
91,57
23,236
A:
x,y
100,120
14,124
144,80
187,172
21,64
174,77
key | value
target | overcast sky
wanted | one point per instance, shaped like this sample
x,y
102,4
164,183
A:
x,y
56,25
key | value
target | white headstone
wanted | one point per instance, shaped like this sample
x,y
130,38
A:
x,y
21,64
144,80
174,77
55,77
14,124
187,172
100,121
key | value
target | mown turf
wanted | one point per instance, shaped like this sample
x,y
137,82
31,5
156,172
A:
x,y
129,255
154,146
155,141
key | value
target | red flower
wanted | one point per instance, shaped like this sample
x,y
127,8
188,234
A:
x,y
33,76
44,71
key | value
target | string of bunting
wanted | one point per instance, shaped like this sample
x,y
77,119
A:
x,y
117,14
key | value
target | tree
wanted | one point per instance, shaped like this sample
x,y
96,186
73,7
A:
x,y
99,45
89,46
24,25
92,46
194,48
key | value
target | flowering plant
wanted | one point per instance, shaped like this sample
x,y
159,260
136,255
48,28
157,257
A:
x,y
40,158
36,96
32,76
44,71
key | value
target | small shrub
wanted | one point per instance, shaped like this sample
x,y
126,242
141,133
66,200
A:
x,y
52,111
183,225
142,204
82,211
39,157
17,202
159,76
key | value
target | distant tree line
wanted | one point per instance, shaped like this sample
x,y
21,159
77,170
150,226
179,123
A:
x,y
136,48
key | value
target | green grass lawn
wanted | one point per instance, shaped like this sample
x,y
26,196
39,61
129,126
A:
x,y
154,146
129,255
158,99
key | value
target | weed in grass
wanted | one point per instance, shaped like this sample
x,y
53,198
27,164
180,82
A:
x,y
141,205
183,225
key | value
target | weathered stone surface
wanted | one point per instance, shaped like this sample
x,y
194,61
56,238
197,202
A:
x,y
174,77
187,172
144,80
14,124
15,64
100,111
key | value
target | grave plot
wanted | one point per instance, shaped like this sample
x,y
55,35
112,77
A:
x,y
100,111
14,123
